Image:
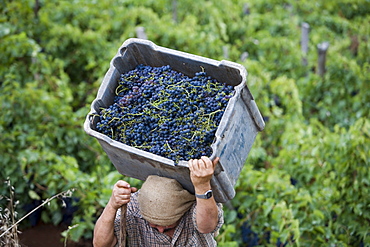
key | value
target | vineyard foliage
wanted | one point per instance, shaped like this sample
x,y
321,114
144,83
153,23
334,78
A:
x,y
306,181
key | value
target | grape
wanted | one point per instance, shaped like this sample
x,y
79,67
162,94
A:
x,y
165,112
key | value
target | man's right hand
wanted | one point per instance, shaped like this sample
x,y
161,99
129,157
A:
x,y
121,194
104,227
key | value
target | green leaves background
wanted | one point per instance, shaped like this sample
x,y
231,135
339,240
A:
x,y
306,181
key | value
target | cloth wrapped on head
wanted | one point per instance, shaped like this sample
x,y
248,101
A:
x,y
163,201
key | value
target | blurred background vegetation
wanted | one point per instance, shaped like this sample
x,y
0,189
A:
x,y
306,181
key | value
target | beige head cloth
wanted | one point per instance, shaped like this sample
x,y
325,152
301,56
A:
x,y
163,201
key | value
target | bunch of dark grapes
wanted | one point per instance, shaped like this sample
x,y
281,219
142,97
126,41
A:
x,y
164,112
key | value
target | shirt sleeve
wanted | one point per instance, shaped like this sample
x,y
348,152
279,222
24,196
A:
x,y
220,219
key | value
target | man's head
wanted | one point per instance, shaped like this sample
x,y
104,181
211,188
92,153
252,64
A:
x,y
163,201
164,229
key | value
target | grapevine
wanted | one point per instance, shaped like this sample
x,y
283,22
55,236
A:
x,y
165,112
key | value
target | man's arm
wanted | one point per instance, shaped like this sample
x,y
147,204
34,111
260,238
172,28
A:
x,y
201,172
104,227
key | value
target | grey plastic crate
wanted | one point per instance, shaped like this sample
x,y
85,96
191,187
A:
x,y
234,136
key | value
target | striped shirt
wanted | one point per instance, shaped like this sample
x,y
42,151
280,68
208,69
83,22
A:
x,y
140,233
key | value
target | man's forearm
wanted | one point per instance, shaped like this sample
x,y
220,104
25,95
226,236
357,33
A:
x,y
206,212
104,228
207,215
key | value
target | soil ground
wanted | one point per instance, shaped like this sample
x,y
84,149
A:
x,y
48,235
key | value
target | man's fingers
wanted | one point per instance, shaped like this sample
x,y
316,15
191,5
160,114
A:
x,y
190,164
122,188
208,163
125,196
122,184
133,189
202,164
215,161
121,193
193,165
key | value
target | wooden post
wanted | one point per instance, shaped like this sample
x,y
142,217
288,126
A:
x,y
304,41
140,33
36,9
246,9
244,56
322,49
174,10
225,50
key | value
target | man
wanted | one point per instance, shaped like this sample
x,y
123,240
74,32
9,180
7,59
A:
x,y
162,213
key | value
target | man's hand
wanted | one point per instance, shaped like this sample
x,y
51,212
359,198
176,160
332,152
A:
x,y
104,227
201,172
121,194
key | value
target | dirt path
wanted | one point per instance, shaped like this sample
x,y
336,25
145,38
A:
x,y
47,235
